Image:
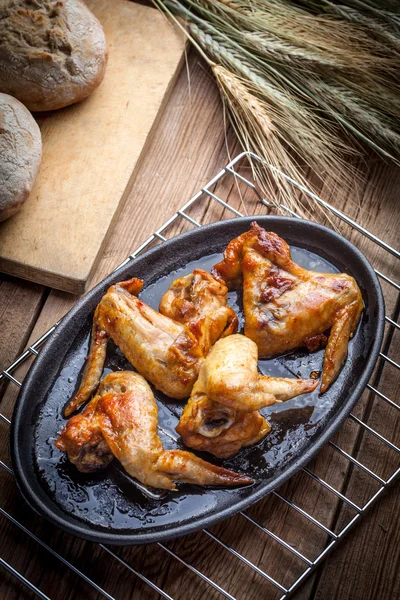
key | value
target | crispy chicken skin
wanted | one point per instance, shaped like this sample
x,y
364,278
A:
x,y
200,302
230,377
222,413
211,427
286,306
162,350
121,421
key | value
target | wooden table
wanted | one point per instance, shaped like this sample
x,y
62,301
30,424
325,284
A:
x,y
188,147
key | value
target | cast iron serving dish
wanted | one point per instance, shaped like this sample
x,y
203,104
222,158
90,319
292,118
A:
x,y
107,506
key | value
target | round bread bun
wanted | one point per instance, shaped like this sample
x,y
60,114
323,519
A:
x,y
52,53
20,154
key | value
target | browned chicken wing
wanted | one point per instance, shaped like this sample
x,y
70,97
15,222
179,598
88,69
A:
x,y
286,306
121,421
162,350
211,427
200,302
222,413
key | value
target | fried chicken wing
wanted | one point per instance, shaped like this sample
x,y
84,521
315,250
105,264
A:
x,y
162,350
230,377
222,413
286,306
211,427
200,302
121,421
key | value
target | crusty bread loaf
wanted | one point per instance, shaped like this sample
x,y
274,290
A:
x,y
20,154
52,52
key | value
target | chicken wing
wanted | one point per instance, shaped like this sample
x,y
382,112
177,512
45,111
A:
x,y
200,302
121,421
222,413
230,377
286,306
211,427
162,350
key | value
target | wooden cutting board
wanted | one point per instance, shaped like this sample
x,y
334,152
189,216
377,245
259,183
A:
x,y
90,151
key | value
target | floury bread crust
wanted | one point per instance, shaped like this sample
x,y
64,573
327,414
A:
x,y
20,154
52,52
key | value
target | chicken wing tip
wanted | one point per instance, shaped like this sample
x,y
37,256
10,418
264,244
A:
x,y
230,478
134,285
69,409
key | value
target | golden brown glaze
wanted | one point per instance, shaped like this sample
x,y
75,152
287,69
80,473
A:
x,y
211,427
122,421
200,302
230,377
286,306
222,413
162,350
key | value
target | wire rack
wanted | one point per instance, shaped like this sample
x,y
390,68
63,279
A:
x,y
331,534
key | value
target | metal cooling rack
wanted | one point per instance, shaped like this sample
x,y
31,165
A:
x,y
333,538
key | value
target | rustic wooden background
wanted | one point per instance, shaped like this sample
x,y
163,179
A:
x,y
186,149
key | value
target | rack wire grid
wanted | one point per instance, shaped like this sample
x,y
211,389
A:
x,y
327,535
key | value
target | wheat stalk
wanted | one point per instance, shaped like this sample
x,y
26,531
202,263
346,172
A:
x,y
309,76
258,136
298,127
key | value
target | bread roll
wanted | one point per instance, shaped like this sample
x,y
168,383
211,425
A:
x,y
20,154
52,52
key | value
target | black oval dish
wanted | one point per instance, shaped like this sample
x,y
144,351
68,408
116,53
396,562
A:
x,y
107,507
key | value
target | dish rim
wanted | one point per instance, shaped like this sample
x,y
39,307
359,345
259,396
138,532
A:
x,y
85,530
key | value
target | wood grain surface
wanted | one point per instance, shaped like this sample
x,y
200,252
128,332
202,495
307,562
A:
x,y
90,151
188,148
